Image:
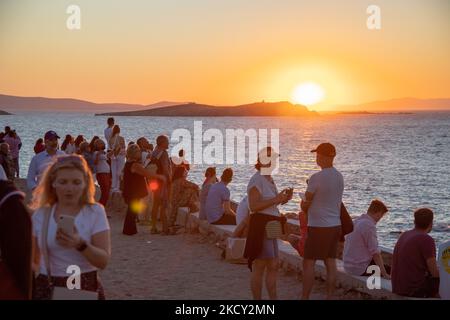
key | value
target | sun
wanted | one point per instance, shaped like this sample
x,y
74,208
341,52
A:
x,y
308,93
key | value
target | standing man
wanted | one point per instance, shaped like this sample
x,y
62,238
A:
x,y
323,200
108,132
161,193
42,160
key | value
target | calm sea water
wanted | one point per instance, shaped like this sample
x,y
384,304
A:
x,y
402,159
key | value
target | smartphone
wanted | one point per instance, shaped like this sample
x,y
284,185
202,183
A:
x,y
66,223
302,196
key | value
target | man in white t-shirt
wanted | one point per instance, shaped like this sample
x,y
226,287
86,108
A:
x,y
42,160
323,205
108,132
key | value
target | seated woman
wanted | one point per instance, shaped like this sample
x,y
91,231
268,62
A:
x,y
210,179
218,204
183,194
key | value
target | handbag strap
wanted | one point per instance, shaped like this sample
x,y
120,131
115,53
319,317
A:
x,y
9,195
48,213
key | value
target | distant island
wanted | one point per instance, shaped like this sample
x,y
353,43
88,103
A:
x,y
369,113
258,109
396,105
17,104
27,104
4,113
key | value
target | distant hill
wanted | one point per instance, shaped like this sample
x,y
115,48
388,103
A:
x,y
402,104
258,109
16,103
4,113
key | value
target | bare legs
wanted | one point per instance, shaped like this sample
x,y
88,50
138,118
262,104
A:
x,y
256,281
308,277
331,277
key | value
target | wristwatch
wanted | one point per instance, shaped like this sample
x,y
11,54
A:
x,y
81,246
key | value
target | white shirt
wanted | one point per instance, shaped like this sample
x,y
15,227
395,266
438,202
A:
x,y
360,245
89,221
118,142
327,186
144,159
242,211
38,164
108,135
70,148
102,166
267,189
3,176
444,270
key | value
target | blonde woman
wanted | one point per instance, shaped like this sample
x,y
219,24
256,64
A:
x,y
67,189
117,155
135,192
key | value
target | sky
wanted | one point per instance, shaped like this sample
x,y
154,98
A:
x,y
225,52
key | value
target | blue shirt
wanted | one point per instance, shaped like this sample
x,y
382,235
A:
x,y
203,197
217,195
38,164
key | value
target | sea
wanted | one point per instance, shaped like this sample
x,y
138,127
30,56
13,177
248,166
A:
x,y
402,159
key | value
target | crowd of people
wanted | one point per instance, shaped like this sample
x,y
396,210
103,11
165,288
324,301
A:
x,y
154,186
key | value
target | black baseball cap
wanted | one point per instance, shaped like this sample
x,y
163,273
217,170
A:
x,y
51,135
325,149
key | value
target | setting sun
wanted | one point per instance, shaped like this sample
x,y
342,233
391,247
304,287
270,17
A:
x,y
308,93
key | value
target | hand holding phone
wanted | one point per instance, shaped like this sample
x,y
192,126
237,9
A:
x,y
290,192
66,223
302,196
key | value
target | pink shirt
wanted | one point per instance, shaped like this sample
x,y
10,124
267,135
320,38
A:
x,y
13,145
360,245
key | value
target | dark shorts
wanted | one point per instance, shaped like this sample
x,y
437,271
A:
x,y
322,242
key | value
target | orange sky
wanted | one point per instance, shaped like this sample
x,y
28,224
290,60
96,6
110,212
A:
x,y
224,52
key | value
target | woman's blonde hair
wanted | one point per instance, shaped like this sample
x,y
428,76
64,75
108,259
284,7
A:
x,y
45,195
132,152
98,142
